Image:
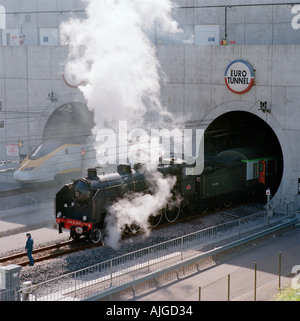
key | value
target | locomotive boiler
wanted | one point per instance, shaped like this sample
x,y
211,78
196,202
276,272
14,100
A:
x,y
232,175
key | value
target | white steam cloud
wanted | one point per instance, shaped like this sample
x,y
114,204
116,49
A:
x,y
136,208
111,54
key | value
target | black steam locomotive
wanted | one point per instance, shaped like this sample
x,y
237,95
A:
x,y
230,176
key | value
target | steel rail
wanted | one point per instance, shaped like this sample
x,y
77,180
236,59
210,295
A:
x,y
26,188
17,256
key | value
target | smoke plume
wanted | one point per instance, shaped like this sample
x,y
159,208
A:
x,y
112,53
136,208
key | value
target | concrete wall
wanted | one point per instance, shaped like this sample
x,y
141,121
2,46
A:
x,y
27,76
34,15
245,25
195,83
195,86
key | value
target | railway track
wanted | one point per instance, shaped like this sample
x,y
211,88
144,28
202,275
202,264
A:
x,y
47,252
71,246
29,188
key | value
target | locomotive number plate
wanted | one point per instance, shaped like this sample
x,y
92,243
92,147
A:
x,y
79,230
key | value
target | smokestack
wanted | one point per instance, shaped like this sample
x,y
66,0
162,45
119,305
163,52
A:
x,y
92,173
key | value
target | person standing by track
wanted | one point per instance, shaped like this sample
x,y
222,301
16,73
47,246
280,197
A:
x,y
28,248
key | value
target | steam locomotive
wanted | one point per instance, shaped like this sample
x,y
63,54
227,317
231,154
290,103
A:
x,y
232,175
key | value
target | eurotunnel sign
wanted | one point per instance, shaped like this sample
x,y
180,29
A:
x,y
239,76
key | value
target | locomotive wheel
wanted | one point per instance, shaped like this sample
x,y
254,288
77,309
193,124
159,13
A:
x,y
95,235
227,204
217,206
155,220
173,214
133,228
74,235
205,210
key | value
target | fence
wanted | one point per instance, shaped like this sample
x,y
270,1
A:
x,y
9,295
120,270
262,281
288,209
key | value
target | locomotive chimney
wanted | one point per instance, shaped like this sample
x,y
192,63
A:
x,y
92,173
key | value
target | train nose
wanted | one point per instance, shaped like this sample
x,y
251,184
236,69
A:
x,y
20,176
24,176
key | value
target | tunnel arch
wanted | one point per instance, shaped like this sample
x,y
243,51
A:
x,y
245,110
70,123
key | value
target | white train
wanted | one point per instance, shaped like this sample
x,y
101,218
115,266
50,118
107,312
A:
x,y
52,161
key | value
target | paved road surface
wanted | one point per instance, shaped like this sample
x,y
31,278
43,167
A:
x,y
214,280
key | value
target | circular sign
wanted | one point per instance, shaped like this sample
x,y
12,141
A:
x,y
69,82
70,77
239,76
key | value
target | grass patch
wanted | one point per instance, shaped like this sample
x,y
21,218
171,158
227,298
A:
x,y
287,294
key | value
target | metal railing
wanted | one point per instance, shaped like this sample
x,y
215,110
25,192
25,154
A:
x,y
120,270
288,209
262,289
9,295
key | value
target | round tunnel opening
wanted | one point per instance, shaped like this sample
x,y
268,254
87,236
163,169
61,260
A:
x,y
70,123
239,129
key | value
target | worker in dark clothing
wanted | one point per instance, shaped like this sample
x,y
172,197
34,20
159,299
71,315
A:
x,y
28,248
